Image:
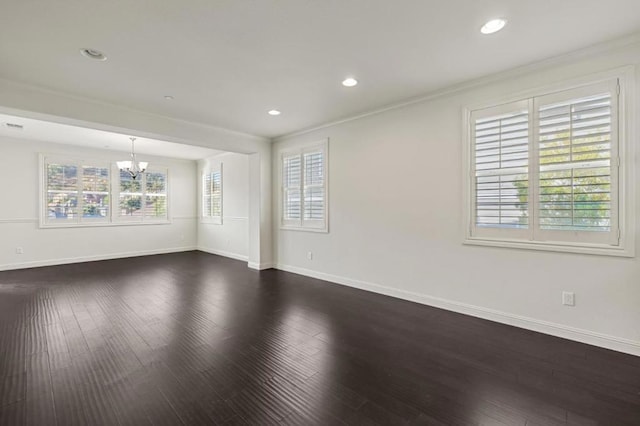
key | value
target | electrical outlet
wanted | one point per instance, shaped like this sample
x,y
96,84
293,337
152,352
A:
x,y
568,298
19,250
310,255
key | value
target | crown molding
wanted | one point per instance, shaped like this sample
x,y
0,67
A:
x,y
558,60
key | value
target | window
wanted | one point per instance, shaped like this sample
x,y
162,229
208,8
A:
x,y
545,172
142,199
212,195
76,192
81,193
304,187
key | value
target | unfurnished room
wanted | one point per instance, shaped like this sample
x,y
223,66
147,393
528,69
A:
x,y
305,212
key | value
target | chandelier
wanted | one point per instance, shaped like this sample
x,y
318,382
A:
x,y
133,167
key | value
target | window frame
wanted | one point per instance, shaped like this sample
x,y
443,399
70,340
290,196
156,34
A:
x,y
45,159
624,162
212,219
300,149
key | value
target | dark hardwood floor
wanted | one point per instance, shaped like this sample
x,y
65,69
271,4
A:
x,y
192,338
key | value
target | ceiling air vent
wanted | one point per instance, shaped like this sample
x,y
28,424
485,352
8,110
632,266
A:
x,y
14,126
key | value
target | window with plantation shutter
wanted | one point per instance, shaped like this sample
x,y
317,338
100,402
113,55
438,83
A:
x,y
81,192
75,192
304,187
546,170
143,199
212,195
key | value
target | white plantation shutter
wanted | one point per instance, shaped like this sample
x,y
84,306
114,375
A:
x,y
314,186
292,185
61,182
130,197
212,194
216,194
304,187
545,169
144,199
95,193
206,195
576,142
500,170
75,193
155,206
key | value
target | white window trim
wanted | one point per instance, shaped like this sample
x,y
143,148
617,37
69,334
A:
x,y
44,158
301,148
213,220
627,186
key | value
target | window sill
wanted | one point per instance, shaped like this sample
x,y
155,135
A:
x,y
592,249
300,228
103,225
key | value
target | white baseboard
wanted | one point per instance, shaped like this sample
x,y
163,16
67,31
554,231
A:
x,y
224,253
261,266
64,261
580,335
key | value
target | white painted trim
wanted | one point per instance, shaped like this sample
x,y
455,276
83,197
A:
x,y
103,224
260,266
235,218
224,253
64,261
593,249
224,219
35,220
559,330
559,60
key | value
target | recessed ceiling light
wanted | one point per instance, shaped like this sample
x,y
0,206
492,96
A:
x,y
168,97
93,54
274,112
350,82
493,26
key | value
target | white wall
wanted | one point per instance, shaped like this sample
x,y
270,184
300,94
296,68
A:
x,y
19,192
396,222
231,237
33,102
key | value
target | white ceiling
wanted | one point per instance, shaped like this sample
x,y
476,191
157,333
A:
x,y
227,62
99,139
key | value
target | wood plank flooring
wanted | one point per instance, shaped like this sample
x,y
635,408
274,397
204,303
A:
x,y
192,338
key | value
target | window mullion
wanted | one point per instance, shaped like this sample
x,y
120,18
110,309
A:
x,y
616,189
80,192
303,186
534,169
143,197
